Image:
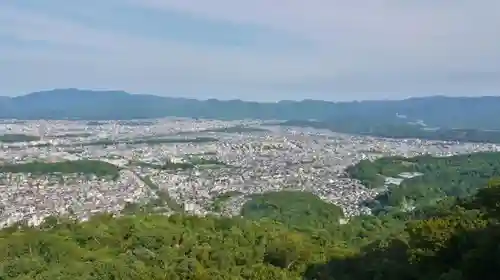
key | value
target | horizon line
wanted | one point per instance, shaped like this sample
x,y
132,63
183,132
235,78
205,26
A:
x,y
247,100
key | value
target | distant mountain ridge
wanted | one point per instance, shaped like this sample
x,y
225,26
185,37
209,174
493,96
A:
x,y
435,111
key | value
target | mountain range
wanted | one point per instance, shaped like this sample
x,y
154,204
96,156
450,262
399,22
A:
x,y
434,111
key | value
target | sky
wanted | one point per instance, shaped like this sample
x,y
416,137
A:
x,y
263,50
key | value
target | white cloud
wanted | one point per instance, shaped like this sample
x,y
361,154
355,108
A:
x,y
407,47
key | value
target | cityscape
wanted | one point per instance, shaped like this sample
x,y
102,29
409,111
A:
x,y
249,140
198,166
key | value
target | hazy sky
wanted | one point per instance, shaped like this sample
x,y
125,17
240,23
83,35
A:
x,y
253,49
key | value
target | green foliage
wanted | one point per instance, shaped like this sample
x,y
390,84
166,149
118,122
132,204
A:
x,y
156,247
363,230
95,167
368,173
487,199
14,138
460,244
457,246
218,202
458,176
301,210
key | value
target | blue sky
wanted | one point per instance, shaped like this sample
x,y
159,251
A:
x,y
255,50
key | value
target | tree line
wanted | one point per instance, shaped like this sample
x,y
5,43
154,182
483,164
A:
x,y
94,167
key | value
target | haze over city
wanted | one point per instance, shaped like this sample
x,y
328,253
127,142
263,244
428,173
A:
x,y
252,50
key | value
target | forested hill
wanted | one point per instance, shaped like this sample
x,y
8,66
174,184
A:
x,y
455,242
420,181
436,111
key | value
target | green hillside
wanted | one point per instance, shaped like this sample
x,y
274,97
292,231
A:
x,y
15,138
459,244
95,167
300,210
438,177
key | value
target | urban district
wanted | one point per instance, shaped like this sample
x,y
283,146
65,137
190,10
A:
x,y
79,168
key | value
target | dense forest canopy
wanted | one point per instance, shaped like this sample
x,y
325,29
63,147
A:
x,y
308,210
95,167
15,138
437,177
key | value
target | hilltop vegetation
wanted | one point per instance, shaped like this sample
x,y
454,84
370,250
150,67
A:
x,y
15,138
307,213
459,243
95,167
300,210
459,176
